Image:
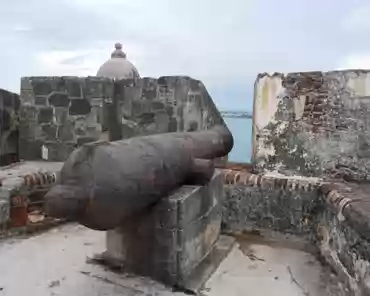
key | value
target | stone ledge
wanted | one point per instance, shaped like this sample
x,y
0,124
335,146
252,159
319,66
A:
x,y
32,228
351,203
334,216
18,182
342,236
272,181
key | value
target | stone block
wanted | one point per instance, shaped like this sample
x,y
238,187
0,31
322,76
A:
x,y
56,151
45,115
4,211
189,203
79,107
169,240
59,99
30,149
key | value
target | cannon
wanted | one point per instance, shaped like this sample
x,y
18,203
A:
x,y
103,183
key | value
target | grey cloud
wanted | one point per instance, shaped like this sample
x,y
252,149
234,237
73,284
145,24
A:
x,y
223,43
58,26
74,60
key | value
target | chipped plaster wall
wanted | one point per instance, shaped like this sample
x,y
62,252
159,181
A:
x,y
9,108
313,124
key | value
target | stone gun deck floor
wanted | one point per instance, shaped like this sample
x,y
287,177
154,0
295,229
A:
x,y
54,263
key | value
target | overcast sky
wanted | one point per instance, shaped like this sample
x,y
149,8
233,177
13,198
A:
x,y
223,43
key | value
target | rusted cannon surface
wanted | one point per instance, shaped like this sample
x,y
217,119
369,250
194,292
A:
x,y
102,183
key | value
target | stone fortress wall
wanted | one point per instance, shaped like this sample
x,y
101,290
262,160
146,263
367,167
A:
x,y
9,127
309,135
167,104
310,173
58,114
313,124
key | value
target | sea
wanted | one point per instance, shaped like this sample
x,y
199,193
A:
x,y
241,129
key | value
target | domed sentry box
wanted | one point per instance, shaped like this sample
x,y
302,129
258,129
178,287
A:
x,y
118,67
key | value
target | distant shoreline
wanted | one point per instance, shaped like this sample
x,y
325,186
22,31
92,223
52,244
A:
x,y
236,114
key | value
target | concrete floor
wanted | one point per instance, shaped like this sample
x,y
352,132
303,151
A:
x,y
54,263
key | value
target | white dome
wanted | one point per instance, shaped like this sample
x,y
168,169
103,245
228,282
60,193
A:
x,y
118,67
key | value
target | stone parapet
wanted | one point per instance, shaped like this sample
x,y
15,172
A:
x,y
334,216
272,181
58,114
268,202
20,184
343,233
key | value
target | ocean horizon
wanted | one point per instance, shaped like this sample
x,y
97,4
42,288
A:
x,y
241,128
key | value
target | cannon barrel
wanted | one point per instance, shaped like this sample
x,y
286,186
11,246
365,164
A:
x,y
102,183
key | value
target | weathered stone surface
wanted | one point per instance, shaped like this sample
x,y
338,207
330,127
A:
x,y
334,217
345,250
154,244
56,150
80,107
57,111
45,115
4,211
87,107
173,103
189,203
249,208
313,124
20,180
57,99
9,125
